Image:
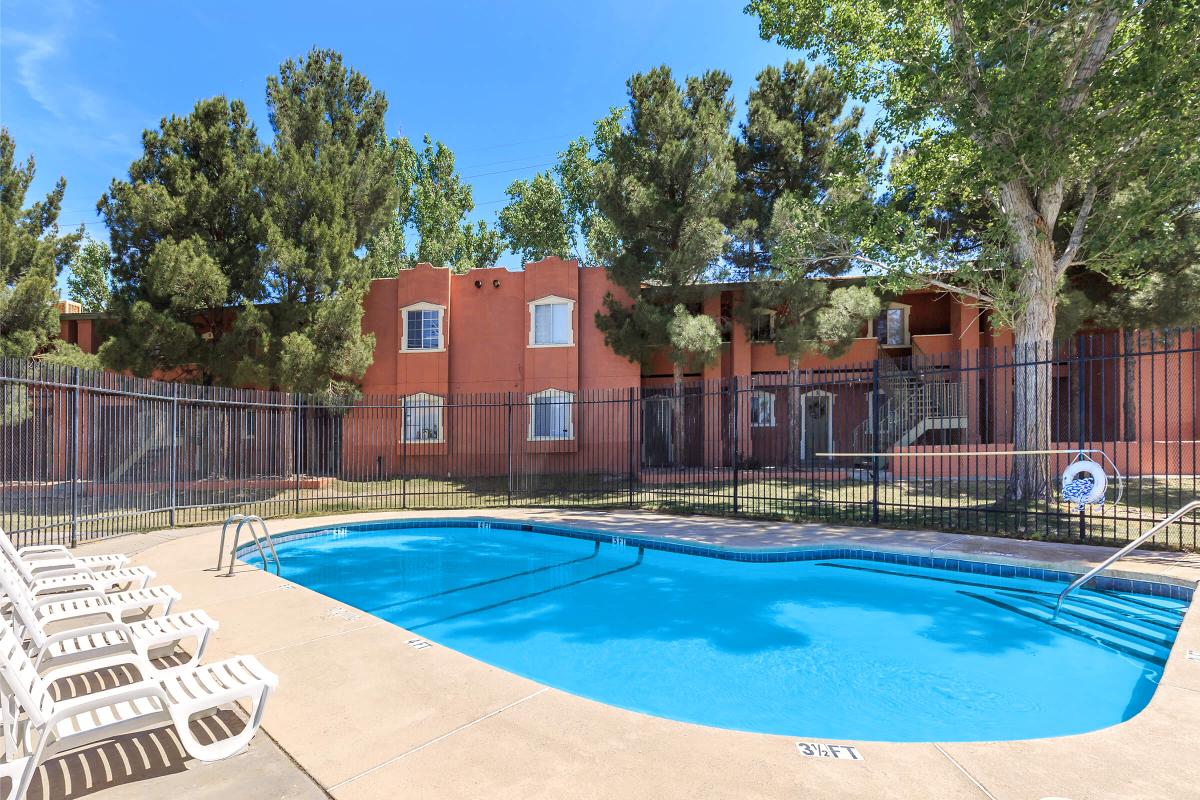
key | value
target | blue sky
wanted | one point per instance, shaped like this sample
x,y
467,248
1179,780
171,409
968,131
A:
x,y
504,84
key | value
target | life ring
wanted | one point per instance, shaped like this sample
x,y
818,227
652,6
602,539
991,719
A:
x,y
1075,477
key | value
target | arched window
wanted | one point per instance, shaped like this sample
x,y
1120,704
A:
x,y
424,325
550,415
423,418
551,323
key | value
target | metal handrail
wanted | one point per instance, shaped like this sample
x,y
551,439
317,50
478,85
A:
x,y
1124,551
232,518
248,519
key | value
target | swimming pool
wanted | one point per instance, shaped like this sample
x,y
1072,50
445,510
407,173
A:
x,y
846,644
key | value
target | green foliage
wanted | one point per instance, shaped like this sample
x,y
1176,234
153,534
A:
x,y
433,201
32,253
665,183
89,282
188,228
1055,121
241,265
535,223
65,354
332,187
807,176
556,213
695,338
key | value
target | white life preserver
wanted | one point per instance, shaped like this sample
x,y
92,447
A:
x,y
1089,468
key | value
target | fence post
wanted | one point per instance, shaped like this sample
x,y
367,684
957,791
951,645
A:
x,y
1080,357
298,444
733,437
75,470
174,447
876,399
633,457
509,405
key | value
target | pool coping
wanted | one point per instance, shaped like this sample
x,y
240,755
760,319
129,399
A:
x,y
1115,580
455,727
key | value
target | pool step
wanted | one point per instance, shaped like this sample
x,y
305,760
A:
x,y
1111,635
1148,614
1113,621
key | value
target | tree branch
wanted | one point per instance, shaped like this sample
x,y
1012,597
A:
x,y
1094,56
1085,210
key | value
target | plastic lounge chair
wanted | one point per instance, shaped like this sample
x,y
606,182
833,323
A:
x,y
54,557
70,606
175,696
150,638
75,578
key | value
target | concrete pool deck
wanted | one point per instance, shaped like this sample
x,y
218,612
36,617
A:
x,y
365,715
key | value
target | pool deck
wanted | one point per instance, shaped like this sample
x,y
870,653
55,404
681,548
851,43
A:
x,y
362,714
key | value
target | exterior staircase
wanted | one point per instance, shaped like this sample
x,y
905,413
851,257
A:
x,y
911,406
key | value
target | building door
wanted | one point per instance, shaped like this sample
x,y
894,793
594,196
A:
x,y
657,432
818,424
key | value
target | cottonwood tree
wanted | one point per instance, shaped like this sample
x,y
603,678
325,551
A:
x,y
32,253
801,151
665,183
433,203
187,229
1033,108
555,212
90,279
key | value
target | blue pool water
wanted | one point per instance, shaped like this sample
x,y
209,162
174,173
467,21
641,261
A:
x,y
838,648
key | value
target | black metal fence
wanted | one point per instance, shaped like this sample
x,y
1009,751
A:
x,y
915,439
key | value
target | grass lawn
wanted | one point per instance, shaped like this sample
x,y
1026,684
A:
x,y
965,506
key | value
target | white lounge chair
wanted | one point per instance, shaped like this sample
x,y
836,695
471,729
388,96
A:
x,y
73,579
40,726
73,606
150,638
49,558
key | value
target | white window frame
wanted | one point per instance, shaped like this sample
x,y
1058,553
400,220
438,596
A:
x,y
771,317
566,398
550,300
441,312
762,394
425,399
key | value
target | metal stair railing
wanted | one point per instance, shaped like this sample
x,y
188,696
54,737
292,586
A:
x,y
1124,551
242,520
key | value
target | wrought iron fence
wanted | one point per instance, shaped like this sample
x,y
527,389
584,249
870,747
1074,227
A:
x,y
919,439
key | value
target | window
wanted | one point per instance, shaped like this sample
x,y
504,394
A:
x,y
762,409
423,327
550,415
762,328
249,424
891,327
423,418
551,322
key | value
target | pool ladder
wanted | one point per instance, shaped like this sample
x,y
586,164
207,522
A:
x,y
241,520
1124,551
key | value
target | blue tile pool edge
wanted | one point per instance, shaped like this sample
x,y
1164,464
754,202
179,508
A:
x,y
999,569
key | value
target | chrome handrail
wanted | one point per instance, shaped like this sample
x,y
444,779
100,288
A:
x,y
232,518
249,519
1124,551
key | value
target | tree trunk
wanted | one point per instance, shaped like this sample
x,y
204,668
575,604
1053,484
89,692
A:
x,y
1032,251
1129,404
794,412
677,409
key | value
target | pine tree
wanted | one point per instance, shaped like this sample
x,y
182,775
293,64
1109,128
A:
x,y
800,152
32,253
666,183
187,230
331,188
